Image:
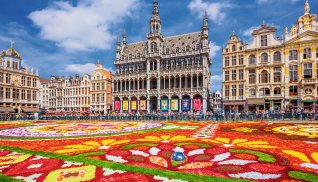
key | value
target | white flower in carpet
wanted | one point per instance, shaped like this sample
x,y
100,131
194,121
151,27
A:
x,y
309,165
138,152
196,152
221,157
38,158
33,166
255,176
236,162
3,167
115,159
68,164
31,178
108,172
154,151
163,179
178,149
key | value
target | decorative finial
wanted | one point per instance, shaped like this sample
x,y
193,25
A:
x,y
263,24
155,10
98,62
11,43
286,30
307,7
233,33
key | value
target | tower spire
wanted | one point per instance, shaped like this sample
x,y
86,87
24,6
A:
x,y
205,19
124,38
306,7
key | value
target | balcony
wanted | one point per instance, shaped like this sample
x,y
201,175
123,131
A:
x,y
308,81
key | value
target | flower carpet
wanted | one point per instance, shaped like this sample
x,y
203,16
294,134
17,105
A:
x,y
141,151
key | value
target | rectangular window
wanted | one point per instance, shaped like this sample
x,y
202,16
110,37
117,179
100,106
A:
x,y
23,94
293,55
1,92
241,74
241,59
307,53
241,90
227,75
234,90
293,91
307,70
8,93
252,77
293,73
233,74
23,80
1,77
34,95
15,65
277,74
264,41
8,78
29,95
226,61
227,90
29,82
233,60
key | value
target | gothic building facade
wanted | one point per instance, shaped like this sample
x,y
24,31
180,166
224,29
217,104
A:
x,y
169,74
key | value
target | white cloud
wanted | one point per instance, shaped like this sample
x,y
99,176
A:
x,y
268,1
214,49
80,68
216,77
248,32
85,26
215,10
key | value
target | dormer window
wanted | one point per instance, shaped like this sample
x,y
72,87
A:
x,y
233,48
264,41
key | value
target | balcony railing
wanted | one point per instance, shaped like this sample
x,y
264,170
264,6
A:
x,y
309,80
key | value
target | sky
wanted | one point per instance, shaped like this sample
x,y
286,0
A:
x,y
64,38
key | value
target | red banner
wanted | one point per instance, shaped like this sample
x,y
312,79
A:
x,y
197,104
117,105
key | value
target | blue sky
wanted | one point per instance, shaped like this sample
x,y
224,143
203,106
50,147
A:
x,y
68,37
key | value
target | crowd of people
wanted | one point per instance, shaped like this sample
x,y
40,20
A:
x,y
291,114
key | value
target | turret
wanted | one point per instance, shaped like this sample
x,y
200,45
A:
x,y
124,38
155,21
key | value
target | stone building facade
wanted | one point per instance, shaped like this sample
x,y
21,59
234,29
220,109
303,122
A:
x,y
170,74
43,86
272,73
18,85
101,92
81,94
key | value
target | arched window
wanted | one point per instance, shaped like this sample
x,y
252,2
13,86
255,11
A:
x,y
252,92
264,77
233,48
252,59
264,92
154,47
264,58
277,91
277,57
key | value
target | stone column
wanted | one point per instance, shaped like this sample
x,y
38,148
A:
x,y
204,105
180,108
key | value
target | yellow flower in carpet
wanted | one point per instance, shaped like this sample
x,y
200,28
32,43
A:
x,y
244,129
307,163
226,142
166,139
91,146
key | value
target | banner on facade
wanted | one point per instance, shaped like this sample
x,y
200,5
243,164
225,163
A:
x,y
125,105
143,105
117,105
164,105
185,104
134,105
197,104
174,105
